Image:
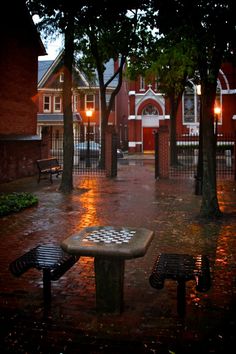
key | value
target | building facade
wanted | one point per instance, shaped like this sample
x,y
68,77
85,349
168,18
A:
x,y
85,97
148,109
20,47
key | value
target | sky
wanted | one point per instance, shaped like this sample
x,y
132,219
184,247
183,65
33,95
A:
x,y
52,47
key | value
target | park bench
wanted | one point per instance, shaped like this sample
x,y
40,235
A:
x,y
48,167
181,268
51,259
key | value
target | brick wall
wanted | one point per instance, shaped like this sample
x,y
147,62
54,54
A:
x,y
18,111
18,159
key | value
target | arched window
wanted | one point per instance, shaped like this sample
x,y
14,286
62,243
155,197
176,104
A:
x,y
150,110
191,103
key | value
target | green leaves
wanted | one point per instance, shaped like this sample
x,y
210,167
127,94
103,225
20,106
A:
x,y
14,202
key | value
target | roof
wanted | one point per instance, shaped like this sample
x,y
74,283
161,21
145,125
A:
x,y
109,71
43,66
57,117
47,67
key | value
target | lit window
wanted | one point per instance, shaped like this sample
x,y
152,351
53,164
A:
x,y
89,101
46,103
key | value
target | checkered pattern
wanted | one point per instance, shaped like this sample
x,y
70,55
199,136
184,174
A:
x,y
110,235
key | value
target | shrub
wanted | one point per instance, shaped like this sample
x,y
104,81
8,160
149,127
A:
x,y
14,202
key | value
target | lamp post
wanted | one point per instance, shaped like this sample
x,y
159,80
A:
x,y
89,114
198,184
217,112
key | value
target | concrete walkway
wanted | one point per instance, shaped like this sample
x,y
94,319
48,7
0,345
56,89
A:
x,y
149,323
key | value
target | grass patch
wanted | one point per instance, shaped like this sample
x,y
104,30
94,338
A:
x,y
15,202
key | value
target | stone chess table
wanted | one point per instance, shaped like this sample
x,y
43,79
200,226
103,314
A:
x,y
110,246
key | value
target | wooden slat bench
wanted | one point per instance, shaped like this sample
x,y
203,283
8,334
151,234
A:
x,y
48,167
51,259
181,268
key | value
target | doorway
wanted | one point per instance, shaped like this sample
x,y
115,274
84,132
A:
x,y
148,139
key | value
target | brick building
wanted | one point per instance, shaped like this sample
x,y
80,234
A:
x,y
85,96
148,109
20,48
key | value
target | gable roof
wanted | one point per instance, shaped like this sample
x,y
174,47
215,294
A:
x,y
46,68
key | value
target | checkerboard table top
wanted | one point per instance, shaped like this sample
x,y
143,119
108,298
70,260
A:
x,y
109,241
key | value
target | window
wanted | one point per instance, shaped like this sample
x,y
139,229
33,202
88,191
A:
x,y
57,103
191,104
46,103
75,103
61,79
89,101
150,110
142,83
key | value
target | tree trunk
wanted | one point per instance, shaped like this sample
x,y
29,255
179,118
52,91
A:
x,y
68,139
209,206
104,122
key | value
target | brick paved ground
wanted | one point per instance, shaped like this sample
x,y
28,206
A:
x,y
149,323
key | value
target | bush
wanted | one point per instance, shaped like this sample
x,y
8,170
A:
x,y
14,202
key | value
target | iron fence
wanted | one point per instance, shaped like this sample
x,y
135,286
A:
x,y
86,154
187,155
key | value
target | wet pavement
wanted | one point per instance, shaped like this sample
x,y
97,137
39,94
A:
x,y
149,322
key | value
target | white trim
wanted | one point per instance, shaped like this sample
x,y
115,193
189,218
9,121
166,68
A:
x,y
228,92
134,143
57,103
150,122
131,117
131,93
49,89
225,79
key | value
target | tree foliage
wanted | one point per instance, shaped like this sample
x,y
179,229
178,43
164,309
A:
x,y
210,26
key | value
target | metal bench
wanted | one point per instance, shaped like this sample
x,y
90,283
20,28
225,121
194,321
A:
x,y
51,259
48,167
181,268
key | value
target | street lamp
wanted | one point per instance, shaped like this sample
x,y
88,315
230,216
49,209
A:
x,y
89,113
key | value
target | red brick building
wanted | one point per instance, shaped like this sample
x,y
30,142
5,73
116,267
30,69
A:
x,y
20,48
148,109
85,96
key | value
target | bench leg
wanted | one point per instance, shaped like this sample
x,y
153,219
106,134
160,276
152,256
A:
x,y
109,276
181,297
47,287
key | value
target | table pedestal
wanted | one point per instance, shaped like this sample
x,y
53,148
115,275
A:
x,y
109,277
